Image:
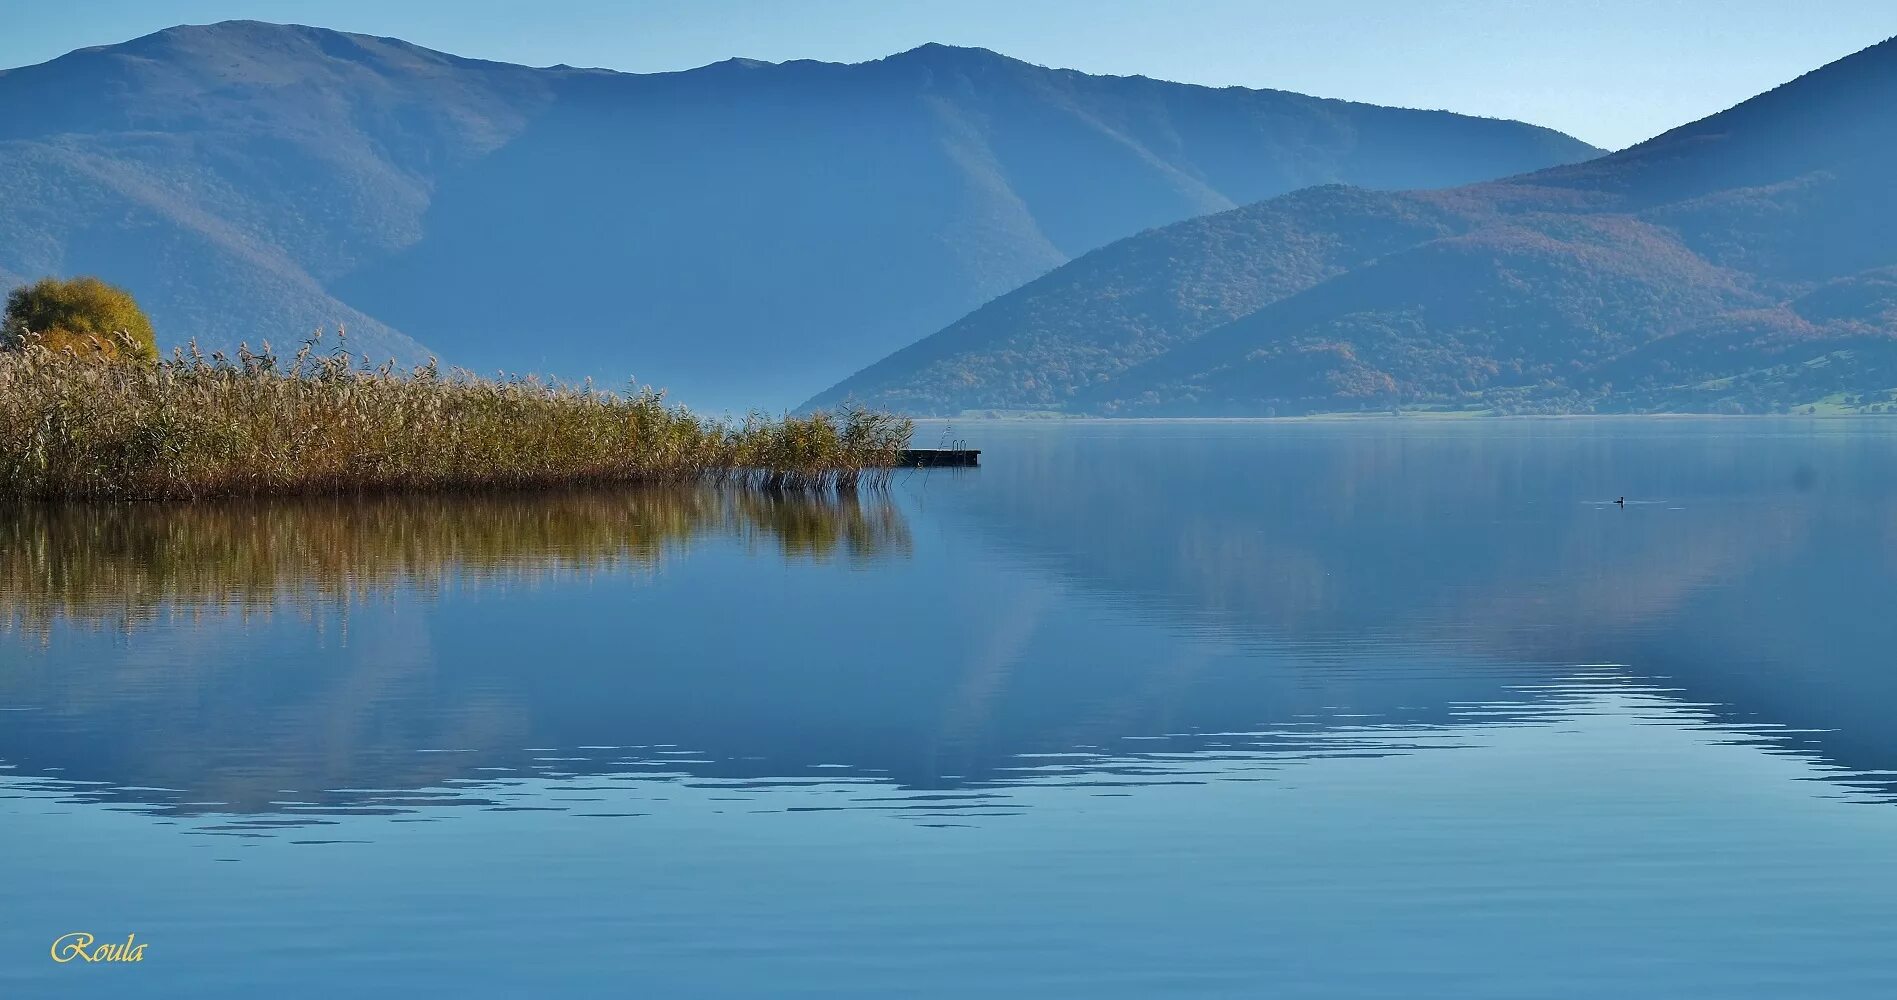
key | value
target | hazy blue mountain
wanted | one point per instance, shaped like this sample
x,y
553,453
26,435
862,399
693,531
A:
x,y
742,232
230,174
1740,262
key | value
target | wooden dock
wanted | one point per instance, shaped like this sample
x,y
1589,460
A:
x,y
937,458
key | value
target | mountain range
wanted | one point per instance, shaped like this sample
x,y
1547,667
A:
x,y
1742,263
742,233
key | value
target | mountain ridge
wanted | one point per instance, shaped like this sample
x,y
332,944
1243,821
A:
x,y
253,181
1577,278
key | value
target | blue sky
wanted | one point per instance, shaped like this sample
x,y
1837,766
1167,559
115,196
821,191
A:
x,y
1612,72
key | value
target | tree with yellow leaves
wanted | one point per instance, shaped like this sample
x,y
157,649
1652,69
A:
x,y
83,315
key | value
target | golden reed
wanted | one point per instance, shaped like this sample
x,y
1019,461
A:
x,y
192,426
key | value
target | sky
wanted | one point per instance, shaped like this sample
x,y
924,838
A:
x,y
1611,72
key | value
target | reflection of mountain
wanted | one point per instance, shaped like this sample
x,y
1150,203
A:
x,y
1755,578
1248,592
338,647
269,649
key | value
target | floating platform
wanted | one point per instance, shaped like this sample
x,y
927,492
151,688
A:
x,y
935,458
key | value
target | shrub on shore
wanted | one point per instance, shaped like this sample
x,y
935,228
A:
x,y
82,316
191,426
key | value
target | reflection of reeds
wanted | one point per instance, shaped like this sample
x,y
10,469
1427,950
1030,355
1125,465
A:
x,y
125,562
192,427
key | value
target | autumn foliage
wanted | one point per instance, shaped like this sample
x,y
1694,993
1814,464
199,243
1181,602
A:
x,y
83,316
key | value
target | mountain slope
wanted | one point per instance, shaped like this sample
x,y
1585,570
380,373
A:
x,y
740,232
1042,345
228,174
1559,289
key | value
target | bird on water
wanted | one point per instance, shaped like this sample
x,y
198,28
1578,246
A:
x,y
1622,501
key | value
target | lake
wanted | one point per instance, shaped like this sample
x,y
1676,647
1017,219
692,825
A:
x,y
1391,708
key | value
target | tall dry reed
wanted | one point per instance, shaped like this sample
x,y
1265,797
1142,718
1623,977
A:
x,y
193,426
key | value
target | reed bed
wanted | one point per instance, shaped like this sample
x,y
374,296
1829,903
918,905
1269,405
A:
x,y
252,425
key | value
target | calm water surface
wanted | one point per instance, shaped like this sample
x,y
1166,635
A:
x,y
1387,709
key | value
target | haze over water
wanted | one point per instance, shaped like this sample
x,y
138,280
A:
x,y
1297,709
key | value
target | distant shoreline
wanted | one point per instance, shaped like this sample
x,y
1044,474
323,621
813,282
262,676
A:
x,y
1432,417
